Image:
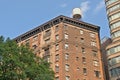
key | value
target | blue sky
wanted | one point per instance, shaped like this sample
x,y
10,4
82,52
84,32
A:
x,y
19,16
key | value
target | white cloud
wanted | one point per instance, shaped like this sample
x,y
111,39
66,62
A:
x,y
99,6
85,7
63,5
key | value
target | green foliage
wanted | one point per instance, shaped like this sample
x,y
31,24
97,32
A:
x,y
19,63
1,39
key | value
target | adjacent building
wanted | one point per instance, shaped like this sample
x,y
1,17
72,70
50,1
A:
x,y
70,45
104,43
113,50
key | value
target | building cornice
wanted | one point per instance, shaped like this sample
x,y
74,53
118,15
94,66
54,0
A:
x,y
55,21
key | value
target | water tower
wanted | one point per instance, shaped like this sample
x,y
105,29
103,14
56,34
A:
x,y
77,14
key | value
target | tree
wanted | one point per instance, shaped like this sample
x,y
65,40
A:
x,y
19,63
1,39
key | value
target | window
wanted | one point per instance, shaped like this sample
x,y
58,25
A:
x,y
95,63
57,69
48,59
78,68
113,50
114,16
81,31
67,67
67,78
94,53
93,43
47,51
57,37
110,2
92,35
35,38
47,41
83,50
66,46
56,28
97,73
114,72
81,40
83,60
57,47
65,27
34,46
47,33
84,71
115,25
66,36
57,57
76,47
115,34
113,8
113,61
66,56
46,55
77,58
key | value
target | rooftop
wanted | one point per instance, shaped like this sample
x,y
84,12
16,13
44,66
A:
x,y
55,21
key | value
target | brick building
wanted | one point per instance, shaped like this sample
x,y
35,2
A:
x,y
72,46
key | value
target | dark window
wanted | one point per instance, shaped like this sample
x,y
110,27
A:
x,y
83,50
97,73
83,59
47,41
82,40
84,71
77,58
57,47
57,57
34,46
